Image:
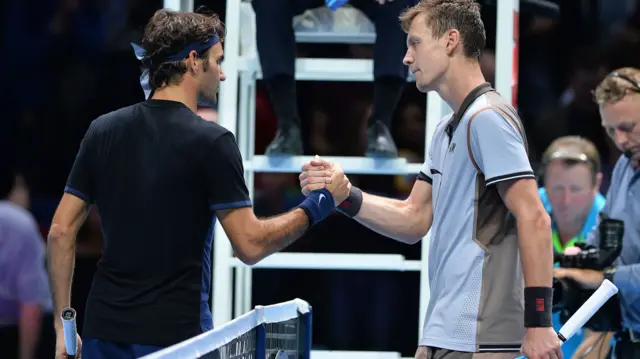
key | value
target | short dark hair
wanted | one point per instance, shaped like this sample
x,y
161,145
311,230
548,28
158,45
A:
x,y
166,33
444,15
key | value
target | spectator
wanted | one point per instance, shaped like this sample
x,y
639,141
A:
x,y
572,178
26,324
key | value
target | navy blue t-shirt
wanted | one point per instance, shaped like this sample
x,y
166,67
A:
x,y
156,172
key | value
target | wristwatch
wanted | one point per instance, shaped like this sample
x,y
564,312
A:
x,y
609,273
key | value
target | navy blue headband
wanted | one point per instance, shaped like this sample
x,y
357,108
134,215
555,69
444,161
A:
x,y
141,54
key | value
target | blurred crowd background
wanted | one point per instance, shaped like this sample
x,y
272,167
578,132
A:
x,y
65,62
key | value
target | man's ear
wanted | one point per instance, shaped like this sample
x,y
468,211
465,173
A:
x,y
451,40
598,183
192,62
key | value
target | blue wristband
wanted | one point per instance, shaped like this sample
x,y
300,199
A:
x,y
335,4
318,205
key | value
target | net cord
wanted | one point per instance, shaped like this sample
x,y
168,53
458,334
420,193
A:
x,y
214,339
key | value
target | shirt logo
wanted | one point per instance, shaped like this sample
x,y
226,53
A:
x,y
321,198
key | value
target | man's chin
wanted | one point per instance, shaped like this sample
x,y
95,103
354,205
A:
x,y
563,216
423,87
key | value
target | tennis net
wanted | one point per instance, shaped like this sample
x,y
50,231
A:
x,y
279,331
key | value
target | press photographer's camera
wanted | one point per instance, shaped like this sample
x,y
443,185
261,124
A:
x,y
569,295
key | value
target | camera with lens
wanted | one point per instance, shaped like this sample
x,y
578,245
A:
x,y
568,295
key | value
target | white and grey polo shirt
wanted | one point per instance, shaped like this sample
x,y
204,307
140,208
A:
x,y
476,280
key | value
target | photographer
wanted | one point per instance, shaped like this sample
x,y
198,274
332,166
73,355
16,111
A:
x,y
571,182
618,97
570,194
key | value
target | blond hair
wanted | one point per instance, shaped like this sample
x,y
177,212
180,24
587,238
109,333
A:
x,y
614,88
444,15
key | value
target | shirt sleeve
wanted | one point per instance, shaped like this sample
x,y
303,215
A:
x,y
224,174
31,276
425,170
627,277
594,236
498,148
80,181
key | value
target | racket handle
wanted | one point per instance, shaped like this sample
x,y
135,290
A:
x,y
68,317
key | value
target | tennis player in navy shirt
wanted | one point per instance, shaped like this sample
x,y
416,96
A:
x,y
157,173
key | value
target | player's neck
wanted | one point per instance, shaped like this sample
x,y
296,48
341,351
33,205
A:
x,y
459,81
178,94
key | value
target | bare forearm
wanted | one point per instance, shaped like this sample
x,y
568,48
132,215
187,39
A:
x,y
30,321
536,250
61,259
276,233
394,218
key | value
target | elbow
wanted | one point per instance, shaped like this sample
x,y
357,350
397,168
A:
x,y
416,237
248,253
413,239
543,221
424,217
420,231
537,220
423,230
248,259
420,223
59,235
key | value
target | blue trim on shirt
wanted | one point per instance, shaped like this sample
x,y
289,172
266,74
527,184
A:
x,y
77,193
230,205
206,319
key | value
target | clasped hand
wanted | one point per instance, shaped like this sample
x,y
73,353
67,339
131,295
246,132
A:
x,y
319,173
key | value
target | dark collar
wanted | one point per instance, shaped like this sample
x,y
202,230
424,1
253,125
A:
x,y
457,116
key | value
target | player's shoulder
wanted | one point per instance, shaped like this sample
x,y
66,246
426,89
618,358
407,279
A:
x,y
112,119
119,114
488,116
623,164
209,133
441,126
444,121
209,129
492,104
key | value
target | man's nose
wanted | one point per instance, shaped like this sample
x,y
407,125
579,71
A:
x,y
222,76
408,59
621,138
565,198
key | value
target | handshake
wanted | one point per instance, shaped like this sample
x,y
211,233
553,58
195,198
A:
x,y
319,174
